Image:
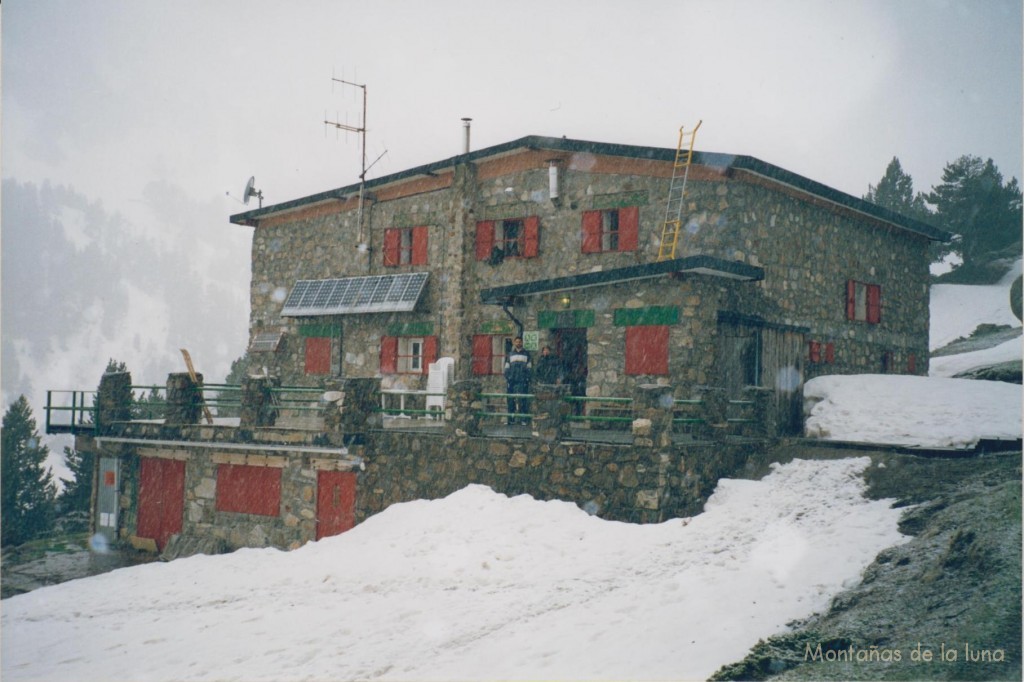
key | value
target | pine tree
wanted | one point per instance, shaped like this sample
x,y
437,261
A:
x,y
78,489
28,491
895,191
974,202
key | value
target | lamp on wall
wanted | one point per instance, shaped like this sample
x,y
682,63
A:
x,y
566,301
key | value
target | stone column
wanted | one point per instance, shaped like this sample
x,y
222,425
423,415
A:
x,y
359,408
113,400
715,404
465,402
184,399
551,412
652,416
258,405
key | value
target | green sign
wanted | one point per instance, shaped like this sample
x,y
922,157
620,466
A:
x,y
531,340
653,315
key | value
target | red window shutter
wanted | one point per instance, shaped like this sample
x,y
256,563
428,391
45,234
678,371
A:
x,y
874,303
814,355
484,239
912,364
830,352
647,350
531,245
388,354
419,245
591,232
248,489
429,352
318,355
629,228
392,244
851,299
482,357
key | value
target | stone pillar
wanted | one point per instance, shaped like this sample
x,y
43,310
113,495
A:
x,y
113,399
258,405
716,403
762,412
551,412
652,416
357,410
465,402
184,399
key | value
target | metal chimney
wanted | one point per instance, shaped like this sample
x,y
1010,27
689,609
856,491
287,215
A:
x,y
465,127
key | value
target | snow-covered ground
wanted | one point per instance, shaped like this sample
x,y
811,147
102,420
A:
x,y
956,310
910,410
474,586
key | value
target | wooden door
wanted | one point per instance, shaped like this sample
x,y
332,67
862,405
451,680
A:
x,y
335,502
161,498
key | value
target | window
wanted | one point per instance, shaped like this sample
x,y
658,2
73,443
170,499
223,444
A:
x,y
821,352
888,362
863,302
497,240
318,355
405,246
647,350
489,353
407,354
610,230
248,489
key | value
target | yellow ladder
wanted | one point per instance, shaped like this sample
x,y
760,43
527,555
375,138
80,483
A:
x,y
677,194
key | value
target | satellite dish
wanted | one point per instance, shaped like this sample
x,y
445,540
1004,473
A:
x,y
250,191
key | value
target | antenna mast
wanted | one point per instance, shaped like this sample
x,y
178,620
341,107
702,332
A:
x,y
362,132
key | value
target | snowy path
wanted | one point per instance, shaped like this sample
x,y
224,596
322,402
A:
x,y
475,586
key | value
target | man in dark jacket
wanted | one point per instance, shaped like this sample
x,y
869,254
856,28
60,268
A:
x,y
549,367
518,370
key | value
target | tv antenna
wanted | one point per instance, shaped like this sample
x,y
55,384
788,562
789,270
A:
x,y
362,135
251,191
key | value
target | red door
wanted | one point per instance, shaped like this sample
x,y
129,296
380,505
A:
x,y
161,498
335,502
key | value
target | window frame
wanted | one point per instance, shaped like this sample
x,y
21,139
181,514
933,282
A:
x,y
610,230
863,302
405,246
398,356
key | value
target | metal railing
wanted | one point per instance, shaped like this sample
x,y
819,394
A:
x,y
80,408
412,404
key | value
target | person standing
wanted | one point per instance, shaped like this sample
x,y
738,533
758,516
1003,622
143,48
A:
x,y
518,372
549,367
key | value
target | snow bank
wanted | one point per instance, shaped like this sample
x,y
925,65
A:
x,y
951,365
956,310
475,586
911,410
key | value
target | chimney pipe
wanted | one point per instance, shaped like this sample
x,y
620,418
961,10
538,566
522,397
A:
x,y
465,127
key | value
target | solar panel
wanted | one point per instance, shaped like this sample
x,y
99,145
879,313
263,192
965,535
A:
x,y
373,294
266,342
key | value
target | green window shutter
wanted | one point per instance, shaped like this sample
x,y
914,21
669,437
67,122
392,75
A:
x,y
653,315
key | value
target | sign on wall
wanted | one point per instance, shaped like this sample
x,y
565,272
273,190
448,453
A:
x,y
531,340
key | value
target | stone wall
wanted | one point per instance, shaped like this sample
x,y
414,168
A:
x,y
808,251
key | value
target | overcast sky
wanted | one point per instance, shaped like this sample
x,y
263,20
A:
x,y
109,95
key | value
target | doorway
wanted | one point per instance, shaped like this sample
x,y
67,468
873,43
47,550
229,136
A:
x,y
335,502
161,498
571,347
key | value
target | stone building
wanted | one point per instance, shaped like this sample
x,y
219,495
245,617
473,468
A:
x,y
697,356
775,279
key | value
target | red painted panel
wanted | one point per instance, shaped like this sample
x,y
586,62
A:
x,y
392,245
484,239
647,350
532,238
429,352
629,228
874,303
419,245
591,232
388,354
318,355
482,356
249,489
814,354
161,499
335,502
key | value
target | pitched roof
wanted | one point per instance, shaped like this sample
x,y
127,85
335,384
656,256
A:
x,y
725,162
